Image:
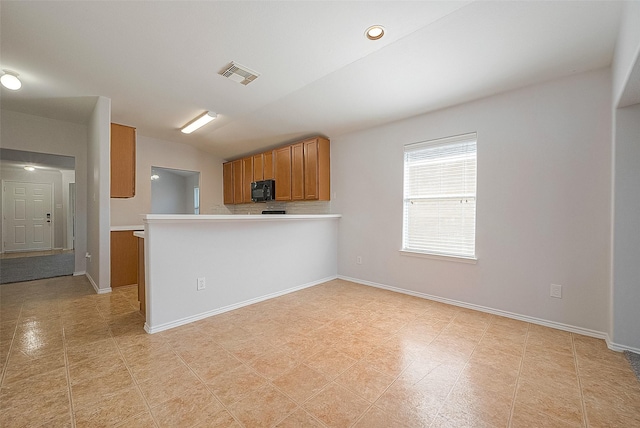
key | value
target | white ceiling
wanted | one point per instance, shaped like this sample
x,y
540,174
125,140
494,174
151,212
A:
x,y
158,62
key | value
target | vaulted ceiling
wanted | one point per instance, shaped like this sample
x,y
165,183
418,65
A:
x,y
159,62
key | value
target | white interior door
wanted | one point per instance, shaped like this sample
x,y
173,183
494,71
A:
x,y
27,216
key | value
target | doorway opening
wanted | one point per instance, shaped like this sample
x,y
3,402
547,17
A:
x,y
38,215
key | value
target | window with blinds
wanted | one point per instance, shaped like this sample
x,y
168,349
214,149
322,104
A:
x,y
440,197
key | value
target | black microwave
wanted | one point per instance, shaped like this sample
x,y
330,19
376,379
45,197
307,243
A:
x,y
263,191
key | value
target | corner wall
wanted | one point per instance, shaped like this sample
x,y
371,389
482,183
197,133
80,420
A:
x,y
543,210
98,194
627,52
626,229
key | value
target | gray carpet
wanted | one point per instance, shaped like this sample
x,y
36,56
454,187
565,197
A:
x,y
634,359
30,268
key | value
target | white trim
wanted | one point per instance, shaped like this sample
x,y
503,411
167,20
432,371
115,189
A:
x,y
79,273
620,348
126,228
461,138
95,286
187,320
512,315
193,218
459,259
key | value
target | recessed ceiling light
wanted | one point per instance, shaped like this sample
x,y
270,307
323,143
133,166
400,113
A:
x,y
10,80
374,32
29,168
198,122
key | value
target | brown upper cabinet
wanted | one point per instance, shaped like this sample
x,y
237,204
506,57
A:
x,y
317,169
123,161
302,172
258,169
268,170
247,178
227,180
282,167
236,169
297,172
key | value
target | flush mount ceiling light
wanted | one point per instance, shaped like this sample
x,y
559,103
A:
x,y
239,73
155,177
198,122
10,80
374,32
29,168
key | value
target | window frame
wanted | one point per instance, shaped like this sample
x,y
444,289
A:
x,y
415,252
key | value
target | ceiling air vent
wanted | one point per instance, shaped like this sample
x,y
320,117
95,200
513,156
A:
x,y
239,73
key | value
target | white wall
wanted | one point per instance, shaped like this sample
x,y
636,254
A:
x,y
21,131
243,259
627,49
626,229
169,194
68,177
543,210
152,152
98,188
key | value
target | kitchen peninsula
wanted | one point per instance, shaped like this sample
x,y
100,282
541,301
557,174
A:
x,y
197,266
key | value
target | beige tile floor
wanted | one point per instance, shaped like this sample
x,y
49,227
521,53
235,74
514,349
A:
x,y
334,355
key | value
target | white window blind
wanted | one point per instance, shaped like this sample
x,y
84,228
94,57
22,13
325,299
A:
x,y
440,196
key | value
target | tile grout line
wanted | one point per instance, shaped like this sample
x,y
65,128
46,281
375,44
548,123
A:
x,y
585,419
205,383
133,377
68,373
372,404
405,369
484,332
298,404
6,360
135,381
515,389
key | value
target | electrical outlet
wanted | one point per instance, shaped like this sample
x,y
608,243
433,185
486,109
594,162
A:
x,y
556,291
359,260
201,283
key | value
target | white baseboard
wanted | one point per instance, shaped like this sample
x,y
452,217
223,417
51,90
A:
x,y
526,318
187,320
620,348
95,286
79,273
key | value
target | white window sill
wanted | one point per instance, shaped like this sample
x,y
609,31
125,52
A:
x,y
459,259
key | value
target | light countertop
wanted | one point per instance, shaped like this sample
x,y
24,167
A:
x,y
189,218
125,228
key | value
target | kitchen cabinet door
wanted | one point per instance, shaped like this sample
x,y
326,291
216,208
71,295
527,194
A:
x,y
258,172
297,172
268,169
227,180
123,161
236,166
317,170
247,178
124,258
282,164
